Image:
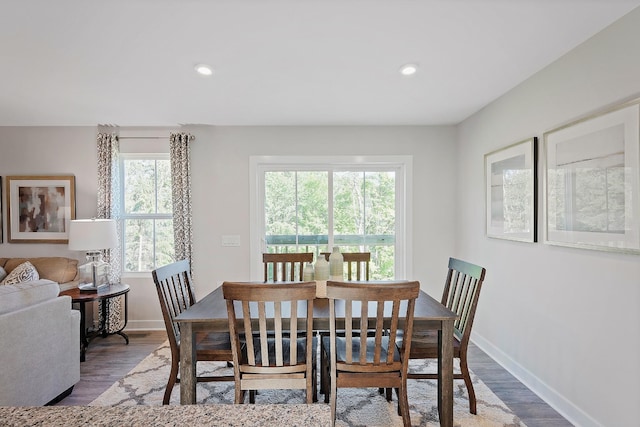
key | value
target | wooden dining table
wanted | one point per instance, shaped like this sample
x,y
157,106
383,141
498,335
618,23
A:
x,y
210,314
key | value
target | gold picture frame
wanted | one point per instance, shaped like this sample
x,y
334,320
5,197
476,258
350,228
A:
x,y
40,208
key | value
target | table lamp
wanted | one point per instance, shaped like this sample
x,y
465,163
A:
x,y
92,236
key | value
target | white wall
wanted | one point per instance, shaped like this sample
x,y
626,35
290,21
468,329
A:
x,y
49,151
220,179
220,157
565,321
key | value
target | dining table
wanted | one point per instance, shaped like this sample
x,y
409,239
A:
x,y
210,314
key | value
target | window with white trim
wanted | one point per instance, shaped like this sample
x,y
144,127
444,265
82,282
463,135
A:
x,y
310,204
147,211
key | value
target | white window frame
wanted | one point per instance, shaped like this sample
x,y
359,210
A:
x,y
124,216
403,166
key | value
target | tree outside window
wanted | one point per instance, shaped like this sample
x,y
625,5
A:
x,y
312,211
147,212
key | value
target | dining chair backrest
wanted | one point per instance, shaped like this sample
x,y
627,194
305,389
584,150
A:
x,y
461,294
175,293
279,318
356,263
174,285
366,353
370,307
285,266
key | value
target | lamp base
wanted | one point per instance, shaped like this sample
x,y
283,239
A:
x,y
94,274
91,289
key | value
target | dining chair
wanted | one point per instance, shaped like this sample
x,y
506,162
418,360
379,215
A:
x,y
461,293
357,269
357,264
279,319
175,292
285,266
359,359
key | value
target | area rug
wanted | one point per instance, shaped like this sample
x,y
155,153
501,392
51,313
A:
x,y
144,385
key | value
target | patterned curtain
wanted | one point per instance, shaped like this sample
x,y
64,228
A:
x,y
181,192
109,207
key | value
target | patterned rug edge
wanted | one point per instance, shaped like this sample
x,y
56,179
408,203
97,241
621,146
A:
x,y
145,385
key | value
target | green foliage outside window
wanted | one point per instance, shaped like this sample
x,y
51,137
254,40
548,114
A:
x,y
297,214
147,211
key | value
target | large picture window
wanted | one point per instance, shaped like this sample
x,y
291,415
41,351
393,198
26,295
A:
x,y
308,205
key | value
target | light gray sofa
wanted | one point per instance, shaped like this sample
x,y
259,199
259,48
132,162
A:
x,y
39,344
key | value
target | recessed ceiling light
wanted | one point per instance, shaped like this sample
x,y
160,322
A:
x,y
204,69
408,69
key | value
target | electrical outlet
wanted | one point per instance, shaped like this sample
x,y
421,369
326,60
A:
x,y
231,240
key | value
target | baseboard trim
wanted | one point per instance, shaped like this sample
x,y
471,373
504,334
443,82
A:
x,y
566,408
145,325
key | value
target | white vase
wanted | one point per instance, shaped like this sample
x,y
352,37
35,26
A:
x,y
336,265
321,268
307,272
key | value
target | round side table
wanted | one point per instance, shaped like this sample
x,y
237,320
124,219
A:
x,y
102,296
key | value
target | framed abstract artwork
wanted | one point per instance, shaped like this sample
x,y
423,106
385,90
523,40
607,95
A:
x,y
511,187
1,211
39,208
591,180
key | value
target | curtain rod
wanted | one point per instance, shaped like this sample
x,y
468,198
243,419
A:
x,y
143,137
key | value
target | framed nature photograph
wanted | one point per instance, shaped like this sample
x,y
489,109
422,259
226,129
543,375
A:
x,y
39,208
511,187
592,197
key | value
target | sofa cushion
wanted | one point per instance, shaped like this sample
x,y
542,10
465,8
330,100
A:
x,y
15,297
58,269
3,274
25,272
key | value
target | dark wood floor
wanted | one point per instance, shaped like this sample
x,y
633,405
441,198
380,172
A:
x,y
109,359
532,410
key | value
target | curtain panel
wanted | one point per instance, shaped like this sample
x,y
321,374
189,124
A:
x,y
180,158
109,207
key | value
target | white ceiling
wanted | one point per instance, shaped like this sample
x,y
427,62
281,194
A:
x,y
277,62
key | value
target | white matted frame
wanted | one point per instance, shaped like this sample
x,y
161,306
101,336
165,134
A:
x,y
591,180
40,208
511,187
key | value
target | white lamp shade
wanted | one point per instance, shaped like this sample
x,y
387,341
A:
x,y
92,234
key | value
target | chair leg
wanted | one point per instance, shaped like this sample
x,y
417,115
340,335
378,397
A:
x,y
324,374
332,394
314,386
389,394
403,404
464,368
323,367
321,362
173,377
239,394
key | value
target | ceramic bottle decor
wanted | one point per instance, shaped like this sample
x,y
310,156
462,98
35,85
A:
x,y
336,265
307,272
321,268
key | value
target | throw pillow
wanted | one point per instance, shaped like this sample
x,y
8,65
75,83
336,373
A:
x,y
3,274
25,272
